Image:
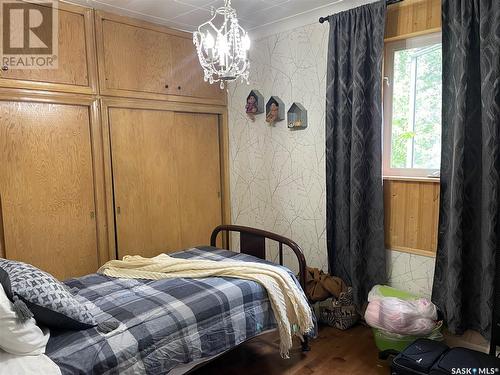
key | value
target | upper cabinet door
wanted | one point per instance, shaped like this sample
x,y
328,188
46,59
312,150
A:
x,y
142,60
189,74
76,59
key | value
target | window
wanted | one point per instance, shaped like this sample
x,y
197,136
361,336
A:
x,y
412,107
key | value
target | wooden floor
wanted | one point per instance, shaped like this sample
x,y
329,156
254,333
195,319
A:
x,y
350,352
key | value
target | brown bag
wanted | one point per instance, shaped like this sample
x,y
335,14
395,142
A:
x,y
320,286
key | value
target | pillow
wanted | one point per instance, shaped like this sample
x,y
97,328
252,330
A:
x,y
36,364
20,338
48,300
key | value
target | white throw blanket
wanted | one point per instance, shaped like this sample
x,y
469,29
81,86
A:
x,y
290,306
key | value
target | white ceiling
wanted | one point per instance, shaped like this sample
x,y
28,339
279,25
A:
x,y
256,16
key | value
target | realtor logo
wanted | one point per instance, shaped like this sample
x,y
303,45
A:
x,y
29,34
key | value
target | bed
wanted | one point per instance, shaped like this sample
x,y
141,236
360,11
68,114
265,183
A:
x,y
171,325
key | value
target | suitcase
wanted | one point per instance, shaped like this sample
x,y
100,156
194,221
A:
x,y
418,358
466,361
427,357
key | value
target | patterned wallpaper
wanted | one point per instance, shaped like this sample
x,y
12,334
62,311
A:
x,y
278,175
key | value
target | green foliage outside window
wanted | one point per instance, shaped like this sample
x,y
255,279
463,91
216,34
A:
x,y
416,135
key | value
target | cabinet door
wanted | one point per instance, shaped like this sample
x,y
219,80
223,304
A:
x,y
166,177
142,60
136,59
189,74
46,187
76,70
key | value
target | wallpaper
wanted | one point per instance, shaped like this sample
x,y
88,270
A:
x,y
278,175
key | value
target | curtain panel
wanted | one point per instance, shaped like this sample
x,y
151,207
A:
x,y
355,220
469,230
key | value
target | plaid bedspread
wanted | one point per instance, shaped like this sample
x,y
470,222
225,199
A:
x,y
163,323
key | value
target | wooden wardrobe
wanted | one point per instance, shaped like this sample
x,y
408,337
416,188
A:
x,y
126,158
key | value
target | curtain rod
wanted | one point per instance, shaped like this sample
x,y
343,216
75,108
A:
x,y
388,2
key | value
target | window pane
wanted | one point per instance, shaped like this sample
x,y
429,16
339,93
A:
x,y
416,108
400,110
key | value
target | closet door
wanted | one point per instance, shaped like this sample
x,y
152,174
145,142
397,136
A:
x,y
145,181
47,208
198,165
166,177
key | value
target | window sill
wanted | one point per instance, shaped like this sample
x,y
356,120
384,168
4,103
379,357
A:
x,y
425,253
412,179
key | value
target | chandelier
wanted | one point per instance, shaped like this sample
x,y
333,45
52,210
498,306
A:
x,y
222,50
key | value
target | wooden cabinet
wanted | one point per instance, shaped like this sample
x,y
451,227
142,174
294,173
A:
x,y
142,60
91,167
48,208
166,178
76,60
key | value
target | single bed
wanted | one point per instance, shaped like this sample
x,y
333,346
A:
x,y
171,325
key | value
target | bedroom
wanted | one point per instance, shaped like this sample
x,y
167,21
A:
x,y
355,141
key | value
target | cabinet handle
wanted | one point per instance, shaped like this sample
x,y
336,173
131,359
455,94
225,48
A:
x,y
5,68
3,251
118,210
92,215
166,86
178,87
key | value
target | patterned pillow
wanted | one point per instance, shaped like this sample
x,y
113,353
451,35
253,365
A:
x,y
49,300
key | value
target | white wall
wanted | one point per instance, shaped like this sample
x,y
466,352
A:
x,y
277,175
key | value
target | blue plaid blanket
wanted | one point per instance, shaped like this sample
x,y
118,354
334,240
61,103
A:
x,y
163,323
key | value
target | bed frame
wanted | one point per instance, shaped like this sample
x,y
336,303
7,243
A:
x,y
253,242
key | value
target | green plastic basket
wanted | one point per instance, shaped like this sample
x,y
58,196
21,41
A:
x,y
386,340
389,291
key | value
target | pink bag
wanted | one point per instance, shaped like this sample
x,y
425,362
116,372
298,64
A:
x,y
417,317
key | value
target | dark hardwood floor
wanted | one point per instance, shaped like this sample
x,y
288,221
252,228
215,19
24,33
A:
x,y
350,352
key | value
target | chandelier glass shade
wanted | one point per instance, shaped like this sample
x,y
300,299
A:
x,y
222,46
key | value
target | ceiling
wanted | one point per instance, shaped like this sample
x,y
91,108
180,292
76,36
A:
x,y
254,15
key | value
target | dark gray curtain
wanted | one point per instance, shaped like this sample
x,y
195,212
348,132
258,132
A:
x,y
468,224
354,197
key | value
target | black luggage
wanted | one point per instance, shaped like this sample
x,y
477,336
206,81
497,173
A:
x,y
418,358
427,357
466,361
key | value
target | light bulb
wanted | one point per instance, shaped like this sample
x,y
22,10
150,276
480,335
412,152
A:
x,y
223,46
209,41
246,42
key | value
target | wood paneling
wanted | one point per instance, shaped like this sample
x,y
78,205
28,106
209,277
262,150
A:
x,y
412,18
141,60
47,186
199,177
166,178
76,71
411,215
